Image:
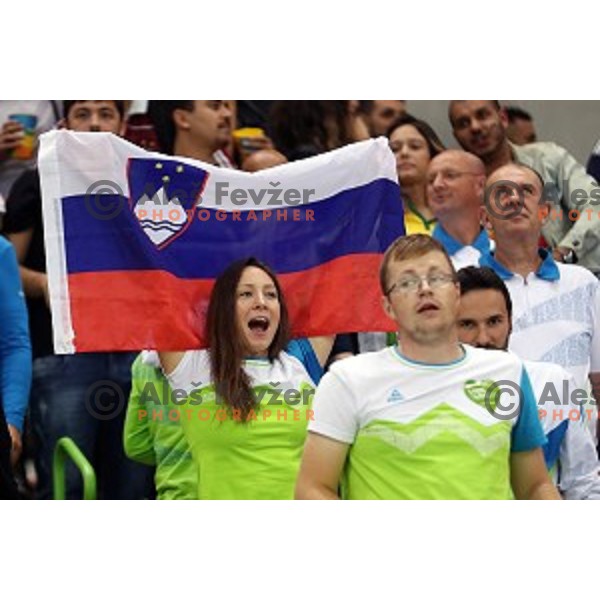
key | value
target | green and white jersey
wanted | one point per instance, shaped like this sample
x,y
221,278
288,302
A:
x,y
257,459
420,431
153,434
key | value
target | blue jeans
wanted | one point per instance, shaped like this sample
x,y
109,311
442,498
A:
x,y
84,397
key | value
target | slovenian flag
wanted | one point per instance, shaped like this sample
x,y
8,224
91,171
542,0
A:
x,y
135,240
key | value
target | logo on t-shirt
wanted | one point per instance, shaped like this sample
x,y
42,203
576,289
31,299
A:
x,y
395,396
482,393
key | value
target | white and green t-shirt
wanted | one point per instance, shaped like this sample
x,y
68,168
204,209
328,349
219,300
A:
x,y
254,459
420,431
153,435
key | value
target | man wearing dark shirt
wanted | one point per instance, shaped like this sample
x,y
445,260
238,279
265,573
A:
x,y
64,399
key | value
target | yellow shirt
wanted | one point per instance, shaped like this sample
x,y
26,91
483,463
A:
x,y
414,221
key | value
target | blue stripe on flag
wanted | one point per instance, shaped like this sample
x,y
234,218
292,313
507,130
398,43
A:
x,y
361,220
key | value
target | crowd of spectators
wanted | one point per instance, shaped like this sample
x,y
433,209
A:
x,y
548,257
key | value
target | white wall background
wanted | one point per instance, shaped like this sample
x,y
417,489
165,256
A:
x,y
572,124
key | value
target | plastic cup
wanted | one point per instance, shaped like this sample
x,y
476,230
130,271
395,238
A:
x,y
26,149
246,140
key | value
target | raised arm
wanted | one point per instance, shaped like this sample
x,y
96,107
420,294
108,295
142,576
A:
x,y
169,361
322,346
138,438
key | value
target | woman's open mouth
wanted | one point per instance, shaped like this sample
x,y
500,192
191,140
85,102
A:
x,y
259,324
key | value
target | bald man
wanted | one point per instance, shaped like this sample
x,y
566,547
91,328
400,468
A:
x,y
263,159
455,188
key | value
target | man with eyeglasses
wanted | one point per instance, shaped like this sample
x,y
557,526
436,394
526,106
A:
x,y
423,419
455,184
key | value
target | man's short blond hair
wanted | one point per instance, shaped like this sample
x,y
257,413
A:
x,y
407,247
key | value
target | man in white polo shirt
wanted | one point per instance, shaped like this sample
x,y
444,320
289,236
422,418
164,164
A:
x,y
556,307
456,182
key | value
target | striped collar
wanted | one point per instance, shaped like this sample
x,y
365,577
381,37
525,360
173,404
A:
x,y
481,243
548,270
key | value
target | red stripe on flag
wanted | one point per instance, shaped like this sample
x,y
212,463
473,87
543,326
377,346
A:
x,y
133,310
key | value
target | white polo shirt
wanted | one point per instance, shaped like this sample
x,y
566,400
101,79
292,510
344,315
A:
x,y
556,315
570,452
556,318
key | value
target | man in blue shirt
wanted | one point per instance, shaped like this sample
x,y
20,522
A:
x,y
15,366
456,181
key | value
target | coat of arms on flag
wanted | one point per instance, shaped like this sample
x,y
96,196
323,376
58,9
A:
x,y
164,196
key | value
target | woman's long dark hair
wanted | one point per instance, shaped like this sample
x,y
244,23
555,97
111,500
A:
x,y
227,351
434,144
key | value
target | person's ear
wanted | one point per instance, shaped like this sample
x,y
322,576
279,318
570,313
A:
x,y
181,119
486,222
503,118
387,307
482,214
543,212
480,183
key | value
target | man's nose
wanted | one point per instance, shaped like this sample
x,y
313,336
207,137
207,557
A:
x,y
436,181
226,111
483,337
94,122
477,125
424,287
512,199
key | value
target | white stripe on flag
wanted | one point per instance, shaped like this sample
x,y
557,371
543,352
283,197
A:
x,y
81,159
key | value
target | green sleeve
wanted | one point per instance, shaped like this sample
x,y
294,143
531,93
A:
x,y
138,434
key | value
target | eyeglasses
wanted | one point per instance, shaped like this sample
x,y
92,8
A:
x,y
449,175
410,283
